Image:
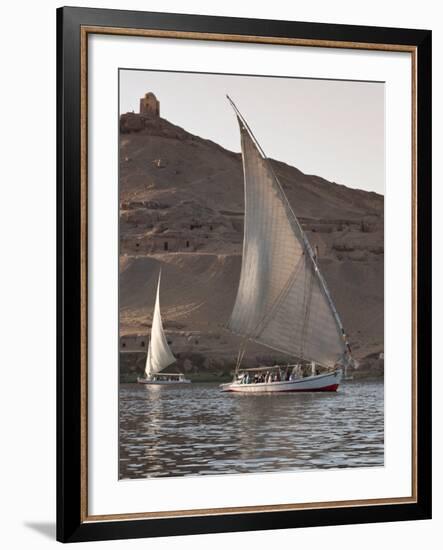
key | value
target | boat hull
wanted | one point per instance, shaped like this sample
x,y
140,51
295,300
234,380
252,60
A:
x,y
162,382
320,383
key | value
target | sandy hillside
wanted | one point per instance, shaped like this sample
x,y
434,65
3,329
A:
x,y
181,209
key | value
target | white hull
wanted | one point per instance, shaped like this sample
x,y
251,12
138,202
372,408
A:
x,y
320,383
162,382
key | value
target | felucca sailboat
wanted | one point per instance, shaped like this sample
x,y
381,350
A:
x,y
282,299
159,354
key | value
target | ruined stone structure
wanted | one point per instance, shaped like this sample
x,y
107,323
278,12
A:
x,y
149,105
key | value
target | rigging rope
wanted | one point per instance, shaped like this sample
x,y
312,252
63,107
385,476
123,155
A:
x,y
241,353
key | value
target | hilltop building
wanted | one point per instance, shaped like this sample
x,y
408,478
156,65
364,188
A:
x,y
150,105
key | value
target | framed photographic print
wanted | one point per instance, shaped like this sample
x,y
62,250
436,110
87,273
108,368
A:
x,y
244,274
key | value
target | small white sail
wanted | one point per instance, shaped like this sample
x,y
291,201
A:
x,y
159,353
282,300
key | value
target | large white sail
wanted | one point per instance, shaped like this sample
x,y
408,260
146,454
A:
x,y
159,353
282,300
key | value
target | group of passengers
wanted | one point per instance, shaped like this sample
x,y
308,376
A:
x,y
165,378
278,375
289,373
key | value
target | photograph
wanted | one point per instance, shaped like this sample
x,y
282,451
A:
x,y
250,275
243,244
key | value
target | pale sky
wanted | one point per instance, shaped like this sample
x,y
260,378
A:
x,y
329,128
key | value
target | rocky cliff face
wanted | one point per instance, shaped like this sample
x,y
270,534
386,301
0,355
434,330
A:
x,y
181,208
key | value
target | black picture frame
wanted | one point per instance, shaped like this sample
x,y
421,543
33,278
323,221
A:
x,y
72,525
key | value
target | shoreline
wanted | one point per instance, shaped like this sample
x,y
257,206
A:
x,y
208,378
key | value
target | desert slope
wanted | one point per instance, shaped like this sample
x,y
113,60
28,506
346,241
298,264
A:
x,y
181,209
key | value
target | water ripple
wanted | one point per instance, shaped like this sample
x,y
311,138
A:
x,y
196,430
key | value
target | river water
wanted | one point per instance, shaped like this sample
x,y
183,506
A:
x,y
195,429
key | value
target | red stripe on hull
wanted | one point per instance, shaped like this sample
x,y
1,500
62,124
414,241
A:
x,y
332,387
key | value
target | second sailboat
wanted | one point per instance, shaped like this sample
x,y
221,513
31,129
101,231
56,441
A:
x,y
159,354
